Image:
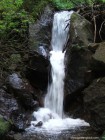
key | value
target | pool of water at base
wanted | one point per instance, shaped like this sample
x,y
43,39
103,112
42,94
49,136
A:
x,y
80,133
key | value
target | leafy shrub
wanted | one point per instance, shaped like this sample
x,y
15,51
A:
x,y
13,19
68,4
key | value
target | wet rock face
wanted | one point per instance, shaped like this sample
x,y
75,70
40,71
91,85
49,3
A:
x,y
12,113
42,50
8,104
40,39
40,32
37,70
22,90
94,102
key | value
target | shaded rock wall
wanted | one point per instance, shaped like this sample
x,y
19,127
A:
x,y
40,32
94,102
37,70
78,55
77,61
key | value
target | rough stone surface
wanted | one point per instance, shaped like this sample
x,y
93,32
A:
x,y
77,63
40,32
78,73
94,102
81,32
78,56
42,50
98,61
37,70
12,112
22,90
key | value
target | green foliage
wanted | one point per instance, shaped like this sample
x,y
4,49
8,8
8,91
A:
x,y
16,14
35,7
62,4
4,126
13,19
38,8
68,4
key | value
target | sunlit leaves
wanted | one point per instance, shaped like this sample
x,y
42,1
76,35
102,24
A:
x,y
12,17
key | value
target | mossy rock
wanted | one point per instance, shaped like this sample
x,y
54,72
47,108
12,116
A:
x,y
81,31
15,58
4,127
103,136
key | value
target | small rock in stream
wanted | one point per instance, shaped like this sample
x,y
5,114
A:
x,y
39,124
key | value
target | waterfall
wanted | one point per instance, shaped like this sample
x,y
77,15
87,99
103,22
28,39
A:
x,y
54,97
51,117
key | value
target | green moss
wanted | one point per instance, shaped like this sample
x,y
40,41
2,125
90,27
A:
x,y
15,58
4,126
74,16
77,47
103,136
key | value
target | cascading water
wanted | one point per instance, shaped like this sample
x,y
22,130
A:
x,y
54,98
51,117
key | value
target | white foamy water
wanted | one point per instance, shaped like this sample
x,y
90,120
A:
x,y
55,94
54,97
52,123
52,117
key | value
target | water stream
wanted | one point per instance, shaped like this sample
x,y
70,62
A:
x,y
51,118
54,97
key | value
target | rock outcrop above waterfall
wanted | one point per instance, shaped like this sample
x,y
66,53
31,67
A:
x,y
40,32
39,40
81,31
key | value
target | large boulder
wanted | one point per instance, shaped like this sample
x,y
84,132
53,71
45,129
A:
x,y
78,55
77,61
98,59
94,103
37,70
81,31
22,90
